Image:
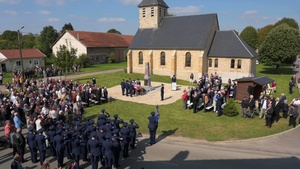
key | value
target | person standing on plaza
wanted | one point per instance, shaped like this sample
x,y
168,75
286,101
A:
x,y
31,144
152,128
93,149
162,92
293,116
123,87
191,78
40,143
16,164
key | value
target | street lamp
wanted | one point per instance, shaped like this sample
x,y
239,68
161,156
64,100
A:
x,y
20,48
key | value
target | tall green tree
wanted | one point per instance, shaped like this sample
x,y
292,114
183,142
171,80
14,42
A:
x,y
9,40
114,31
249,35
281,46
262,33
65,58
46,39
28,41
289,21
67,26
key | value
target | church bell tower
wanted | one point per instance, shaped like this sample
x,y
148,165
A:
x,y
151,12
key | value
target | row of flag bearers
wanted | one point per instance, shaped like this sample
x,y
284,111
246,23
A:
x,y
100,141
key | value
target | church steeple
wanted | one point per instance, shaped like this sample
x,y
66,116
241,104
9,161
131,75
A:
x,y
152,12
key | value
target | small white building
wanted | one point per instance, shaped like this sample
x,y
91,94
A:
x,y
11,59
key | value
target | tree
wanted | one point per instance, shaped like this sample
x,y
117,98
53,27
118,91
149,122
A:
x,y
230,108
64,58
289,21
46,39
249,35
262,33
9,40
28,41
83,60
114,31
67,26
281,46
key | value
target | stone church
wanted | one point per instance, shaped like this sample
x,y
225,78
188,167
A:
x,y
181,45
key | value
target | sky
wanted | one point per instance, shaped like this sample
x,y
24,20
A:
x,y
122,15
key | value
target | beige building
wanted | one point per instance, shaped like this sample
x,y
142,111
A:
x,y
96,45
11,59
181,45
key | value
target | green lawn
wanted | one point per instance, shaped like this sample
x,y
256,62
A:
x,y
178,122
101,67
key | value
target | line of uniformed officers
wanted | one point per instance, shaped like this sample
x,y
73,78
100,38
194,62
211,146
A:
x,y
101,141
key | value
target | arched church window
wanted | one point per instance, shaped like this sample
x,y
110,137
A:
x,y
239,66
188,59
216,63
232,63
162,58
209,62
141,58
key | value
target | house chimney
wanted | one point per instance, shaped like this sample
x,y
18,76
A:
x,y
78,37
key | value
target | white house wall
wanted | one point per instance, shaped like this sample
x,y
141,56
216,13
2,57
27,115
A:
x,y
71,42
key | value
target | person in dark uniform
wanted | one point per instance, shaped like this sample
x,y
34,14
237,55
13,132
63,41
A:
x,y
31,144
126,139
76,149
50,134
87,97
269,115
59,147
40,142
132,133
162,92
152,127
105,94
173,78
99,95
127,87
116,122
94,81
123,87
83,143
116,147
130,88
93,149
107,148
67,142
196,101
293,116
277,108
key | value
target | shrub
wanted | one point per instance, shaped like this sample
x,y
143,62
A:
x,y
230,109
110,58
83,61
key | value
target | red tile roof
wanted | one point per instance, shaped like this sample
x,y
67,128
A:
x,y
26,53
99,39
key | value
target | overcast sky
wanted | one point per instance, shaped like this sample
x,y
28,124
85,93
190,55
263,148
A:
x,y
102,15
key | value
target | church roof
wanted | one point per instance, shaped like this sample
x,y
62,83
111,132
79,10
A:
x,y
229,44
181,32
146,3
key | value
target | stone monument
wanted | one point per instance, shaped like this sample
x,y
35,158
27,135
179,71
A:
x,y
147,76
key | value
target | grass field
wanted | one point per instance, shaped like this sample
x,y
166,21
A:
x,y
178,122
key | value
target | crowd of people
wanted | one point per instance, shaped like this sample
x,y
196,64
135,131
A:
x,y
209,94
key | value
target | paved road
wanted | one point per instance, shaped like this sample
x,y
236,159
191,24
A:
x,y
273,152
